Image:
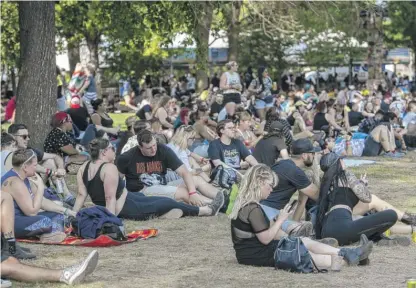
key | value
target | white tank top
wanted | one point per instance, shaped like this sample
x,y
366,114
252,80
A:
x,y
232,79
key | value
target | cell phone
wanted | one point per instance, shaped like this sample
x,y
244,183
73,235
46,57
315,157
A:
x,y
293,205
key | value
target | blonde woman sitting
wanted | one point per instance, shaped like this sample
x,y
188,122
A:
x,y
195,164
256,239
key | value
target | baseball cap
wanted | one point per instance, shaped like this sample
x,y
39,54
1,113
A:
x,y
75,102
303,146
328,160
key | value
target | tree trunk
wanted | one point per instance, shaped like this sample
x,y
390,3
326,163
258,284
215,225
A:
x,y
73,56
234,30
37,89
93,47
13,78
202,40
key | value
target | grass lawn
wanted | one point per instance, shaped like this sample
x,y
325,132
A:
x,y
198,252
119,119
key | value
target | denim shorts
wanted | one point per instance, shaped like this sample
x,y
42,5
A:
x,y
260,104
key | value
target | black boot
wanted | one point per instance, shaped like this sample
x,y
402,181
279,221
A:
x,y
353,256
16,252
409,219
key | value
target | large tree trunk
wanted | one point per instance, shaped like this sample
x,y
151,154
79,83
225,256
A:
x,y
36,92
234,30
13,78
93,47
202,40
73,56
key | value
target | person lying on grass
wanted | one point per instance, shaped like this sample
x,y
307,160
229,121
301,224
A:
x,y
255,238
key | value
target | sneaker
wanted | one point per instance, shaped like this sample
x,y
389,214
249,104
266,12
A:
x,y
393,155
172,214
5,283
217,203
76,273
54,237
353,256
329,241
304,229
395,241
409,219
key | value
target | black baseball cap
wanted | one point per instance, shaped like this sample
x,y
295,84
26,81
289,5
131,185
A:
x,y
328,160
304,146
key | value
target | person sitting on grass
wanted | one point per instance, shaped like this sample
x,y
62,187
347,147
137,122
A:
x,y
12,269
145,168
102,120
60,143
9,246
50,165
29,200
100,180
340,192
228,150
256,238
179,144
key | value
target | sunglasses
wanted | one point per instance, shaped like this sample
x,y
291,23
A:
x,y
26,136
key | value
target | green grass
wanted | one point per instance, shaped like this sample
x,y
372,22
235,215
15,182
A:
x,y
119,119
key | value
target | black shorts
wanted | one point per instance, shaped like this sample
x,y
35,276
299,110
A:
x,y
371,147
232,97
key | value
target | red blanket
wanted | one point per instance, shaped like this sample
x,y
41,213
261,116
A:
x,y
101,241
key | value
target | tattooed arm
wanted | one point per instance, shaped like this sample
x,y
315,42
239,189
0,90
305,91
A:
x,y
359,188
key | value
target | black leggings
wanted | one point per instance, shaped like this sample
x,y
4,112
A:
x,y
338,224
141,207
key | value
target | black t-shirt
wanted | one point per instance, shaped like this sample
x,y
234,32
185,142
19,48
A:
x,y
291,179
142,112
147,171
229,154
355,118
215,108
215,82
268,150
79,116
248,249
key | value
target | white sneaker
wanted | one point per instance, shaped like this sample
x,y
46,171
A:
x,y
76,273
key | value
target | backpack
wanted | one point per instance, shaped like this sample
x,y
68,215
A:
x,y
223,177
95,221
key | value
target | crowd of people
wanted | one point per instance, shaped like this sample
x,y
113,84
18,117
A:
x,y
183,153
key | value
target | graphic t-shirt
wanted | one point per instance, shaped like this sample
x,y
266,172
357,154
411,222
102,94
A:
x,y
291,179
144,171
229,154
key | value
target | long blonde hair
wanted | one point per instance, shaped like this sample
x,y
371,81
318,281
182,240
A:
x,y
161,103
249,190
182,135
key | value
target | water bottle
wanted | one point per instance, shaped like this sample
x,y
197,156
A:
x,y
59,186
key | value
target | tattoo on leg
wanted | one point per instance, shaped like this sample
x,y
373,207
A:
x,y
8,235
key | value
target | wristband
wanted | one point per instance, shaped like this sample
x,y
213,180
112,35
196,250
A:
x,y
191,193
66,212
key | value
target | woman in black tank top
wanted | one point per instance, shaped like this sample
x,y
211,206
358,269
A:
x,y
340,192
323,120
100,179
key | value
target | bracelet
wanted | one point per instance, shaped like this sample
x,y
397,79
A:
x,y
191,193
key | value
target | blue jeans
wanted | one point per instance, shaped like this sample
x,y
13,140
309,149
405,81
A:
x,y
200,147
271,213
61,102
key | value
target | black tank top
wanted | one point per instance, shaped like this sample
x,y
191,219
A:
x,y
95,186
345,196
108,123
319,121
